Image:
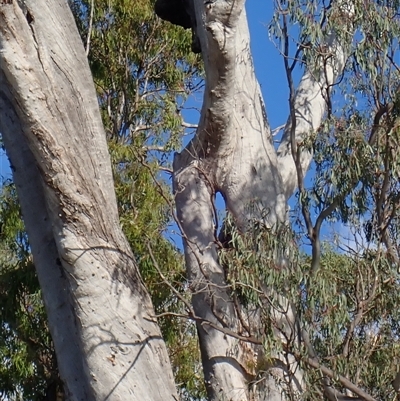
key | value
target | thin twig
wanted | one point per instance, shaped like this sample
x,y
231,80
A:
x,y
341,379
89,34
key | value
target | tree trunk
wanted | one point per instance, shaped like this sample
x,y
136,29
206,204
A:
x,y
108,344
233,153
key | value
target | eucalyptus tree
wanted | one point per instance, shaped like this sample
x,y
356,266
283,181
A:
x,y
268,328
233,153
139,119
107,341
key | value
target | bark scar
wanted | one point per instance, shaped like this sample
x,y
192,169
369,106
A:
x,y
29,16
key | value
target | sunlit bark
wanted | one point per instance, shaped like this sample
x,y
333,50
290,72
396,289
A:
x,y
108,344
233,153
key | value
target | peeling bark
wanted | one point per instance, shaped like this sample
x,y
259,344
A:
x,y
107,342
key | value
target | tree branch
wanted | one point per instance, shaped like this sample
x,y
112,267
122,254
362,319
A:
x,y
309,105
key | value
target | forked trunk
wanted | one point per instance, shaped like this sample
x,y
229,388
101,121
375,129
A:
x,y
233,153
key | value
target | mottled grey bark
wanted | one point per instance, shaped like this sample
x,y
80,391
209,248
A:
x,y
108,344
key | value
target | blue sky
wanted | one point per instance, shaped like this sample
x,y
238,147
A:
x,y
5,171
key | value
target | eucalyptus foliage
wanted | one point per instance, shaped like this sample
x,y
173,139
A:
x,y
28,367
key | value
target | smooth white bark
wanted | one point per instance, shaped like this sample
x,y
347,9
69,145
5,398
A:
x,y
233,153
108,344
224,371
310,107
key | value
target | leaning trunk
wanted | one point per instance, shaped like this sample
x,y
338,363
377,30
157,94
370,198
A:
x,y
233,153
107,341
